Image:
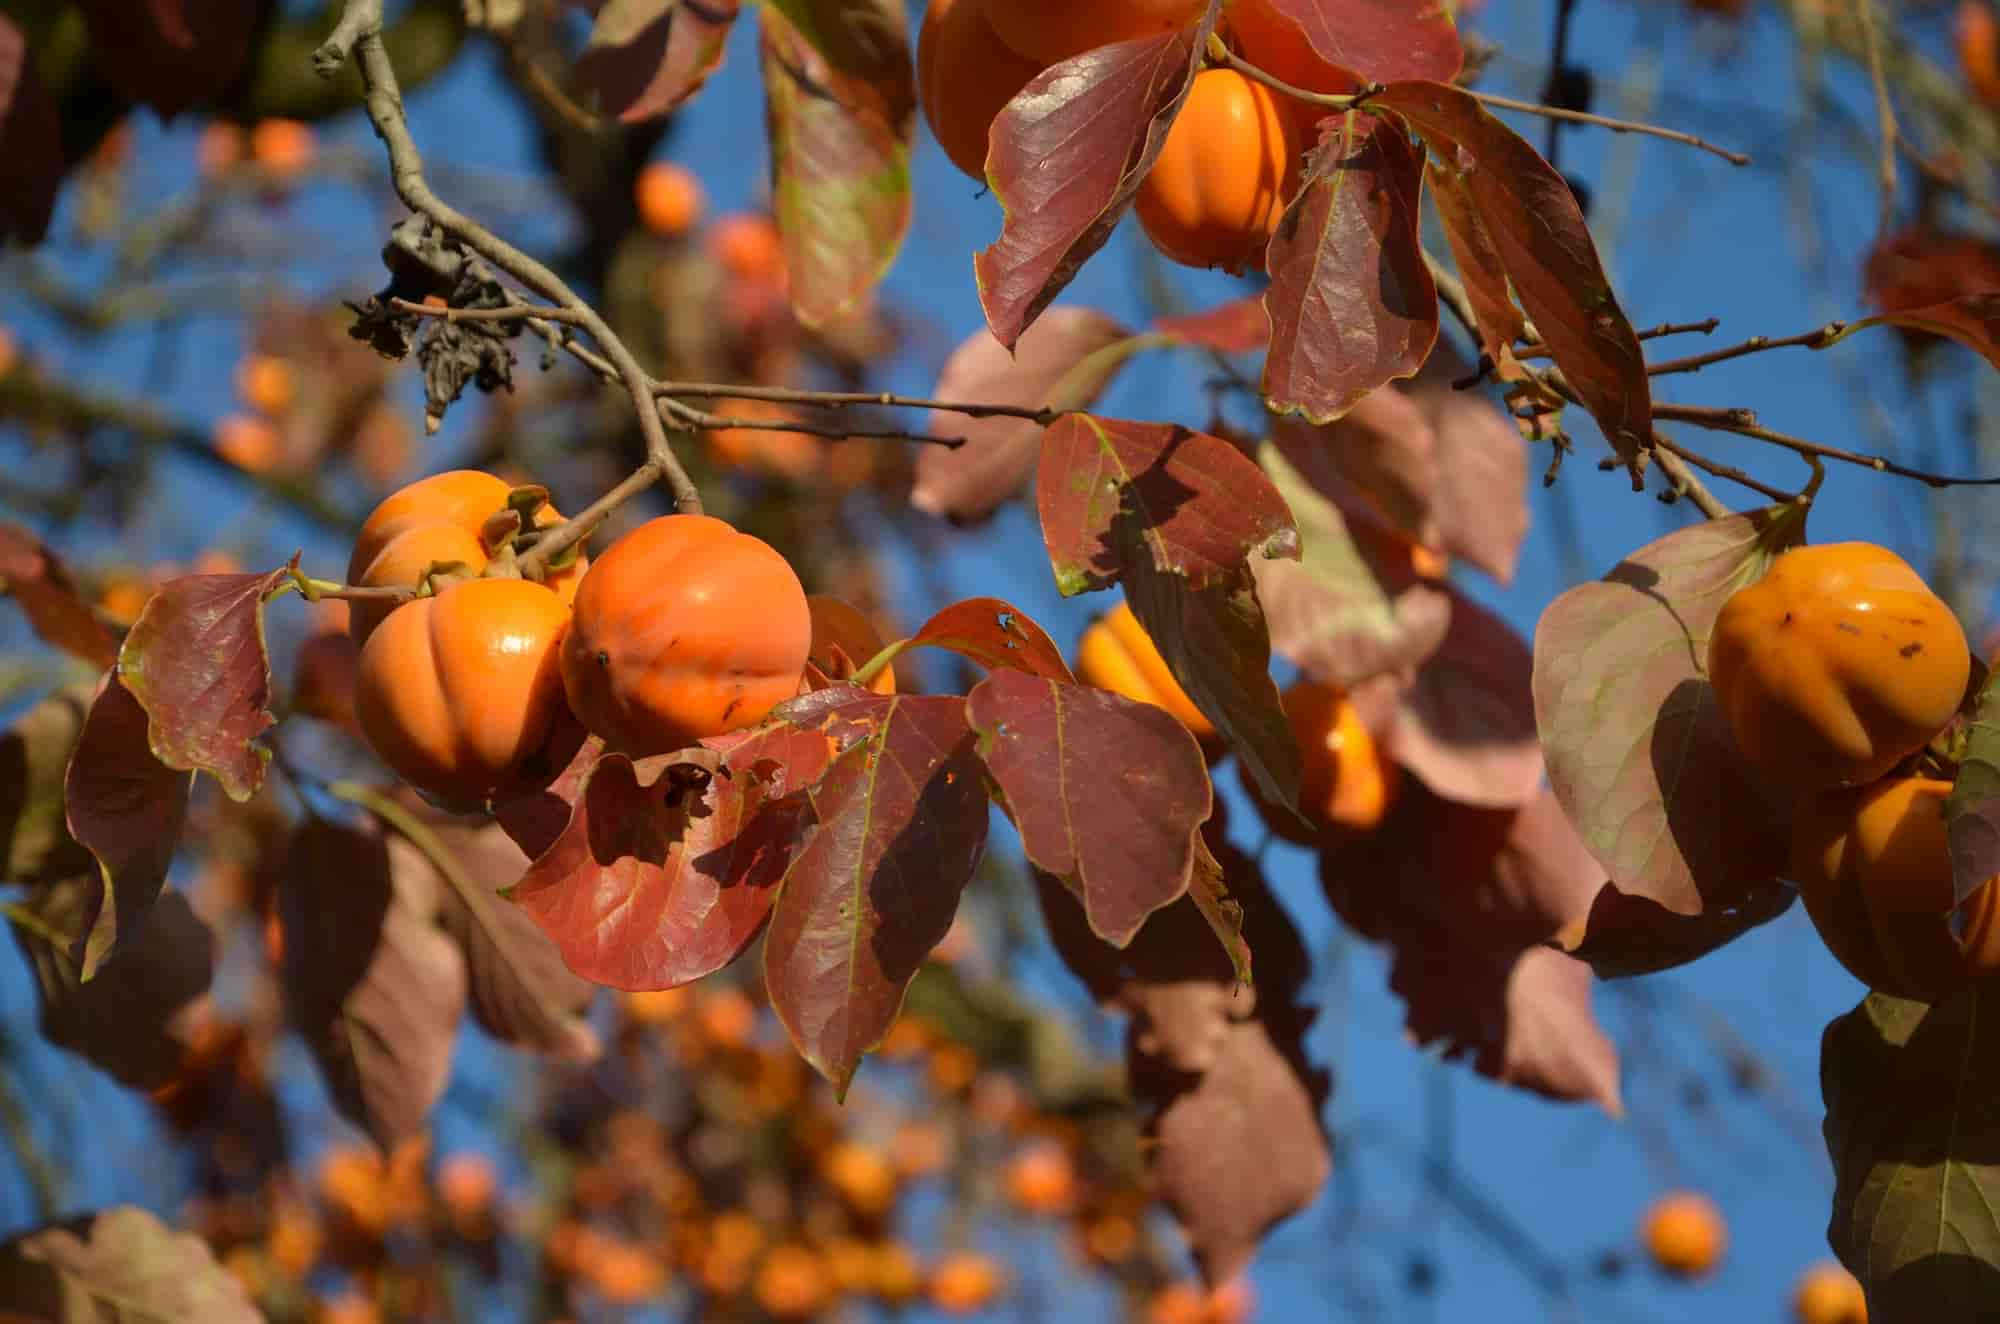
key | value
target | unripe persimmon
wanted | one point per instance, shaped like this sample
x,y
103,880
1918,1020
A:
x,y
436,521
1874,870
461,693
1218,188
1052,30
965,77
843,640
670,198
685,628
1836,665
1117,654
1829,1294
1685,1234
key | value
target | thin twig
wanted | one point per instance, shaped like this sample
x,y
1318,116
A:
x,y
1818,338
1744,423
1605,122
837,399
1885,115
1718,469
1705,327
359,34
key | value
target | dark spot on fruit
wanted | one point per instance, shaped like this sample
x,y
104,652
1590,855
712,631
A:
x,y
1787,620
603,658
1848,627
1909,650
734,704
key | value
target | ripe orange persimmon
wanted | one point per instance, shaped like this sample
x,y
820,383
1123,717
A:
x,y
670,198
10,352
843,640
1685,1233
284,147
1345,780
461,694
1829,1294
1052,30
1219,186
1117,654
793,1283
964,1282
436,521
267,384
772,450
862,1176
248,442
894,1273
685,628
1976,36
1042,1180
1874,870
966,76
1836,665
748,247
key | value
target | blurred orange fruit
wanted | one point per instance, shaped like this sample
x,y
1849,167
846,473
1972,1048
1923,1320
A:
x,y
1829,1294
964,1282
220,148
670,198
765,449
748,247
1042,1180
467,1183
248,442
861,1176
896,1276
727,1017
657,1007
624,1273
284,147
267,383
793,1283
1685,1233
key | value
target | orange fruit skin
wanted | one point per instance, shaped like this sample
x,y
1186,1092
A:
x,y
1344,779
1054,30
284,147
685,628
840,625
1275,45
772,450
1685,1234
432,521
1836,665
460,694
1117,654
267,384
1829,1294
748,247
965,77
248,442
1219,186
1874,869
964,1282
670,198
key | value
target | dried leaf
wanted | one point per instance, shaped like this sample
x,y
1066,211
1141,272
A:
x,y
1123,841
195,660
1061,362
645,57
117,1266
1638,751
33,577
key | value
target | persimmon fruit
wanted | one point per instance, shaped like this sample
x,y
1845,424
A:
x,y
1976,38
1052,30
1685,1234
1218,187
1829,1294
461,693
1836,665
964,1282
748,247
267,384
1117,654
283,147
1874,869
684,628
843,640
1345,779
437,521
248,442
669,197
966,76
777,451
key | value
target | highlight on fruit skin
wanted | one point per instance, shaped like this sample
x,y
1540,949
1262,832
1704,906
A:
x,y
437,521
1836,665
1873,866
461,693
1117,654
965,77
1217,190
1685,1233
684,628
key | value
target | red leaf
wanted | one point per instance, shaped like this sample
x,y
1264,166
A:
x,y
1480,267
1058,363
1115,493
125,807
33,577
1466,725
649,56
170,54
1377,40
195,659
1351,303
899,823
840,110
1538,233
1637,748
376,991
1480,505
30,141
653,884
1973,320
1109,795
997,635
1524,1020
1066,157
1240,326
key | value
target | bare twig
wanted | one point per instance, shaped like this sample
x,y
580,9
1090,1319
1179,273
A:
x,y
1673,450
1606,122
1885,115
1705,327
838,399
359,34
1744,423
1819,338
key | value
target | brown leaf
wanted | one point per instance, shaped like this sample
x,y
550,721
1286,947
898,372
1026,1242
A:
x,y
374,989
117,1266
1466,724
195,660
33,577
1480,267
646,57
1480,504
1351,303
30,141
1061,362
1376,40
1973,320
1240,326
125,807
